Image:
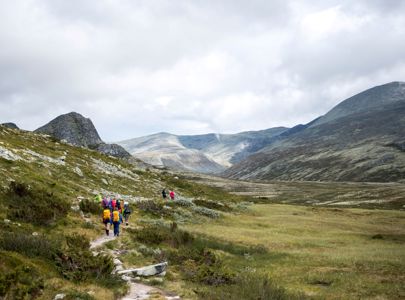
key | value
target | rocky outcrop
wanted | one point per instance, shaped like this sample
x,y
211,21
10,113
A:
x,y
10,125
80,131
74,128
113,150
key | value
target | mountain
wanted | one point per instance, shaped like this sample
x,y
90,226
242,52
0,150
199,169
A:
x,y
10,125
80,131
207,153
361,139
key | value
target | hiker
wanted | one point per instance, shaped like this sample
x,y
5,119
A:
x,y
164,194
117,220
171,195
113,204
107,220
98,198
106,203
119,205
127,212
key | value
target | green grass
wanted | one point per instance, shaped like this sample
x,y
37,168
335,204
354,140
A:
x,y
326,253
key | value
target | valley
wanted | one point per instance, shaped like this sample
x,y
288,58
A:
x,y
222,238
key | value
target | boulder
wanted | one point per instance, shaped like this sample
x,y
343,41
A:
x,y
147,271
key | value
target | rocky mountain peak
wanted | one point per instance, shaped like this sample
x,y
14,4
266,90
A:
x,y
374,98
10,125
74,128
80,131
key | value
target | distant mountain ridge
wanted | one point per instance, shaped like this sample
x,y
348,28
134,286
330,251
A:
x,y
207,153
361,139
80,131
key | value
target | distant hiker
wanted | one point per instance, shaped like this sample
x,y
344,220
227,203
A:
x,y
171,195
127,212
164,194
107,220
117,220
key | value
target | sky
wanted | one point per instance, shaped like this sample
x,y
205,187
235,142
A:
x,y
138,67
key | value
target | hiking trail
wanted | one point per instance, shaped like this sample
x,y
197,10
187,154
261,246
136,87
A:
x,y
137,291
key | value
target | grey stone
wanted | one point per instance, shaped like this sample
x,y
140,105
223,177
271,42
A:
x,y
147,271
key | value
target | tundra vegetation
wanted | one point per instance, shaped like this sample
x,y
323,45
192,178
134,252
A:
x,y
262,241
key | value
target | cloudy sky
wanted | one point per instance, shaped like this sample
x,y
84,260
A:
x,y
193,66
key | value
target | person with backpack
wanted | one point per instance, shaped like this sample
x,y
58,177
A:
x,y
119,206
98,198
113,204
164,194
105,203
117,220
171,195
107,219
127,212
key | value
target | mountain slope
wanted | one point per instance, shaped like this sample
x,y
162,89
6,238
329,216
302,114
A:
x,y
164,149
80,131
208,153
361,139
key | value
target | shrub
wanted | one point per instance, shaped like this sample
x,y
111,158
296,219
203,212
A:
x,y
248,286
34,205
21,283
208,269
29,245
90,206
76,261
212,204
152,207
210,213
155,235
76,295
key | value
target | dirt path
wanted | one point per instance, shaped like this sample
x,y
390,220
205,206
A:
x,y
137,291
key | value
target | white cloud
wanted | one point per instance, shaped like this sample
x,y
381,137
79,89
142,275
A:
x,y
139,67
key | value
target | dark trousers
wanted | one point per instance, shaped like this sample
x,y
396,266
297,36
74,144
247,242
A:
x,y
116,228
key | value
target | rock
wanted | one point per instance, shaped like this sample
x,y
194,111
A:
x,y
75,207
118,268
117,261
78,171
104,181
113,150
158,280
148,270
126,278
59,296
35,233
74,128
7,221
162,274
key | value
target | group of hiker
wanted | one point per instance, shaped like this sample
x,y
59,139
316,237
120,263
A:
x,y
115,212
171,194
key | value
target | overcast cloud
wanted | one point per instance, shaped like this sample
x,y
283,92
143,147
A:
x,y
190,67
